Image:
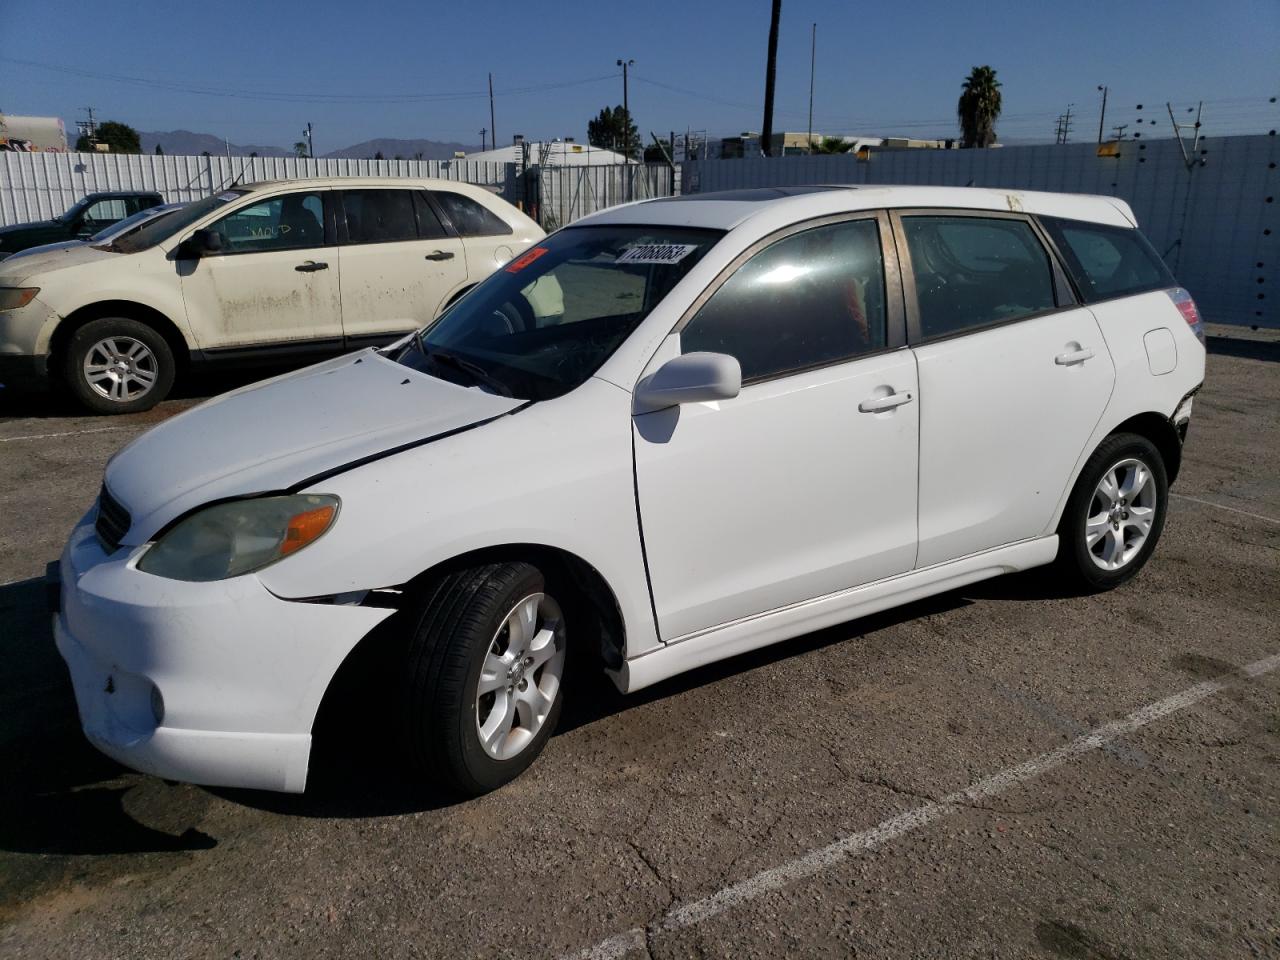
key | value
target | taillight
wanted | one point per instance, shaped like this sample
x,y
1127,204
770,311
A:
x,y
1187,307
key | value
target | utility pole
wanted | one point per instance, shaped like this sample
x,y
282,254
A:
x,y
1119,131
311,147
483,131
1064,125
626,108
770,75
493,125
1103,116
813,59
89,128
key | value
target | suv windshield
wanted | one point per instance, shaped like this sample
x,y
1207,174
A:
x,y
546,321
162,228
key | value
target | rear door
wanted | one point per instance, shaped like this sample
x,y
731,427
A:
x,y
400,264
805,483
1014,376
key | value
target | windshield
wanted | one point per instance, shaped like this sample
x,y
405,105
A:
x,y
546,321
162,228
128,224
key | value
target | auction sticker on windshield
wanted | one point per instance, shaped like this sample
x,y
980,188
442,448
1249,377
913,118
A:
x,y
657,253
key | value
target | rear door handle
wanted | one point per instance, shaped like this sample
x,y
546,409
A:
x,y
439,255
311,267
881,404
1073,356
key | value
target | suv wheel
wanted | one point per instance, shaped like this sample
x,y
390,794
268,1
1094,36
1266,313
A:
x,y
486,664
1115,513
118,365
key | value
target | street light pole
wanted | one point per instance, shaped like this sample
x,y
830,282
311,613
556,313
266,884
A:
x,y
1102,118
626,109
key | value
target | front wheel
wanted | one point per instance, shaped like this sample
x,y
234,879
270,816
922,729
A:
x,y
118,365
1115,514
486,666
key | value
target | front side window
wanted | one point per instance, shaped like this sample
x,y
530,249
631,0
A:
x,y
545,322
105,211
470,218
1108,261
973,272
288,222
809,299
162,228
379,216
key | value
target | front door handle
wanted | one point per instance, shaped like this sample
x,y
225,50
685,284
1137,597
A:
x,y
439,255
311,267
881,404
1073,356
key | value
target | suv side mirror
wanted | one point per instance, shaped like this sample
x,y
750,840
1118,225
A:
x,y
199,244
689,378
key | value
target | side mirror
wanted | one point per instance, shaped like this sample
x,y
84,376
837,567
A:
x,y
199,244
690,378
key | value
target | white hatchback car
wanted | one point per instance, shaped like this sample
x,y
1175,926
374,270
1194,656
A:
x,y
257,272
753,414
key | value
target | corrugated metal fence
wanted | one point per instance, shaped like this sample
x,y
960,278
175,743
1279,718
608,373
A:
x,y
36,186
1217,224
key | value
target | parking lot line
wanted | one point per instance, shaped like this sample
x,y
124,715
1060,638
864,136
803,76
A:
x,y
1210,503
854,844
69,433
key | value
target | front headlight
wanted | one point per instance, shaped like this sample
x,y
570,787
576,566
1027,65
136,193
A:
x,y
13,297
231,539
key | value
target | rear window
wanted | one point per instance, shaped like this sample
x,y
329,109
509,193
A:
x,y
1108,262
469,218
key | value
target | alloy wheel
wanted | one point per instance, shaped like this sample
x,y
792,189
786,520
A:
x,y
120,368
1120,514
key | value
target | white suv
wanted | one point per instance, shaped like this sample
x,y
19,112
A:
x,y
753,414
255,272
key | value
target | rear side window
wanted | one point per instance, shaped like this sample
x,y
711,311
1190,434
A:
x,y
380,216
429,225
812,298
1108,261
973,272
469,218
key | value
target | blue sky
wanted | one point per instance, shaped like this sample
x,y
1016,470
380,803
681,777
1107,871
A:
x,y
256,72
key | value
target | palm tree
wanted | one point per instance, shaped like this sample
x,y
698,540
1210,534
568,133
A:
x,y
832,145
300,149
979,107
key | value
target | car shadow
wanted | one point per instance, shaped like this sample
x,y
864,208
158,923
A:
x,y
62,796
59,795
1248,349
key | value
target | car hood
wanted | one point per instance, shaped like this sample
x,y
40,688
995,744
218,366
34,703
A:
x,y
277,434
16,269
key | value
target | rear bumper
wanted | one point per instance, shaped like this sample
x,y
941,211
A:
x,y
212,683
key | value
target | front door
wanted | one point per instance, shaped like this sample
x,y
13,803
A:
x,y
1014,377
805,483
399,264
275,282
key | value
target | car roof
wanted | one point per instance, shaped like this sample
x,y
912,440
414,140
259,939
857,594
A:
x,y
122,193
788,204
432,182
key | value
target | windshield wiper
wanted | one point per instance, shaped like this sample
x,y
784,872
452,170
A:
x,y
474,370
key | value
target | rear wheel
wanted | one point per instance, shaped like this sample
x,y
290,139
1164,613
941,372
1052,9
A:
x,y
1115,514
118,365
486,667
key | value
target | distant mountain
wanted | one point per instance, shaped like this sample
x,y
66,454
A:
x,y
184,143
404,149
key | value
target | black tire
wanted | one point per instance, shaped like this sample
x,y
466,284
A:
x,y
461,613
160,365
1075,556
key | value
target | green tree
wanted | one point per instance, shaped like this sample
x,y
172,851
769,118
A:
x,y
379,156
654,154
832,145
159,151
300,149
979,107
609,131
119,138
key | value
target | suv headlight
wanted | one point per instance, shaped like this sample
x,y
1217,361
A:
x,y
239,537
13,297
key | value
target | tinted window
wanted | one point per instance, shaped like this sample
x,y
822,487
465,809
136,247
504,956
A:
x,y
1108,261
379,216
469,218
429,225
542,324
282,223
107,211
971,272
812,298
